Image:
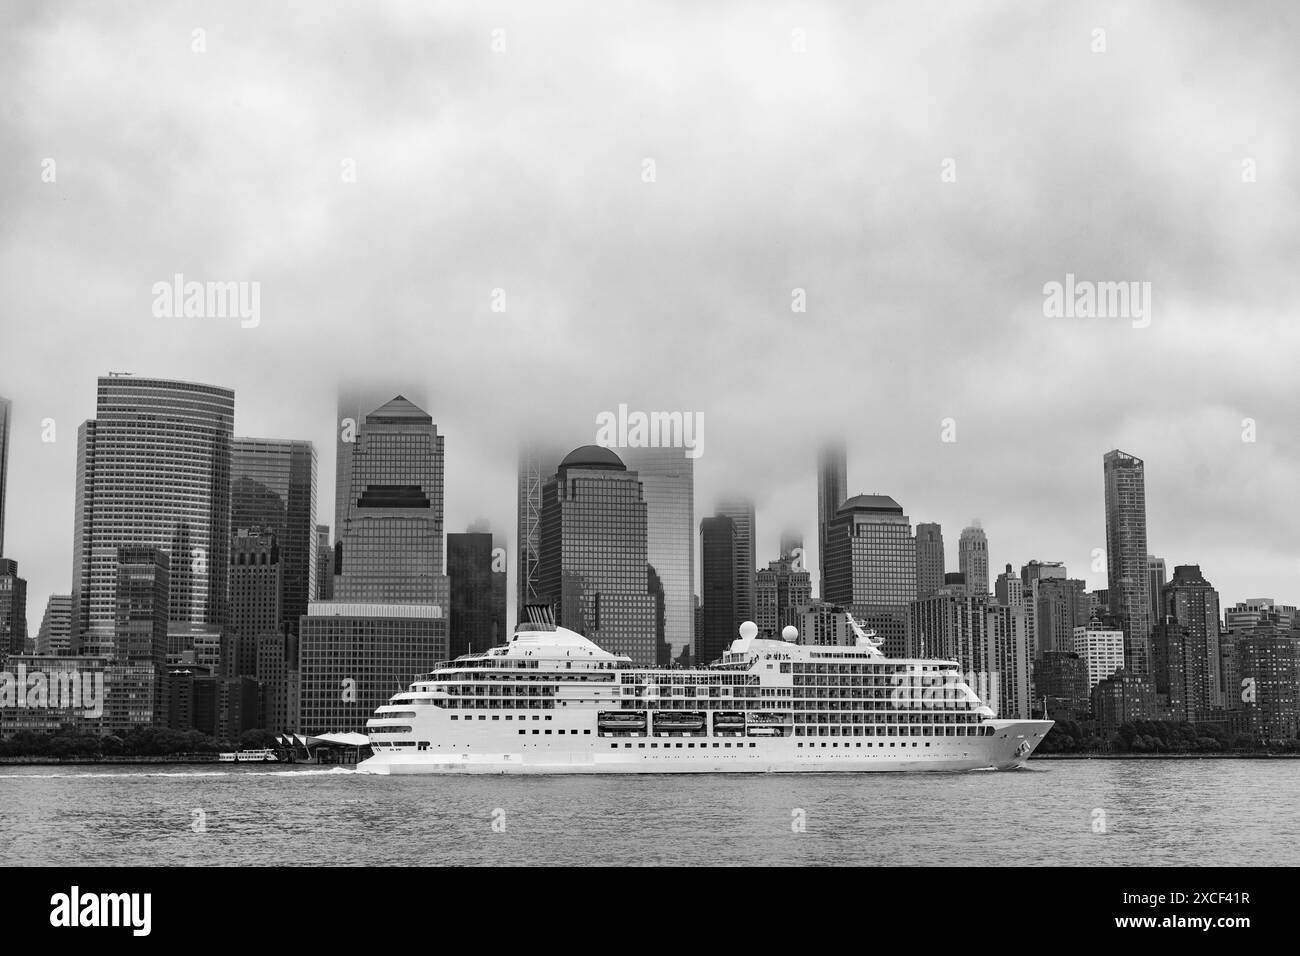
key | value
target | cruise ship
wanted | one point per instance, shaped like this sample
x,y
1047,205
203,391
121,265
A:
x,y
551,701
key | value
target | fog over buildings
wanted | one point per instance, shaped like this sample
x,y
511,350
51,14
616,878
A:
x,y
480,224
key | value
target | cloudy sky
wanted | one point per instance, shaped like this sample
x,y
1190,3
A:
x,y
919,170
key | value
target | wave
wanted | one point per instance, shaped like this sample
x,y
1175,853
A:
x,y
177,773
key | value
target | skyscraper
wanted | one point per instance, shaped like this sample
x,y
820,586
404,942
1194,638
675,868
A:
x,y
389,547
929,559
6,407
718,568
55,635
13,609
134,681
779,589
592,553
388,619
1156,577
871,566
536,465
1128,583
741,513
973,559
273,487
668,482
324,588
354,401
256,586
153,470
1189,631
473,624
832,490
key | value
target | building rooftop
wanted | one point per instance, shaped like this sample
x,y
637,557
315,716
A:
x,y
593,456
880,504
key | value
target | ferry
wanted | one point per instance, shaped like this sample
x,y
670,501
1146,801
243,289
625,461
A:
x,y
551,701
249,756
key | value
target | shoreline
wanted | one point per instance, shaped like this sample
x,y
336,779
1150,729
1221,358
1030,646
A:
x,y
1168,756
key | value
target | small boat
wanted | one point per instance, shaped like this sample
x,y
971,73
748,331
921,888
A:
x,y
249,756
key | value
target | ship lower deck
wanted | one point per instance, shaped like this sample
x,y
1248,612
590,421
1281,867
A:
x,y
1007,748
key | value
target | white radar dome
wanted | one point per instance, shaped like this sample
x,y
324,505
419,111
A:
x,y
749,630
789,633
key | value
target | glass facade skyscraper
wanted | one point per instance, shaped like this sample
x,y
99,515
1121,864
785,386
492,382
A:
x,y
741,513
592,553
668,483
1127,575
389,544
832,491
273,487
871,566
153,470
929,559
718,626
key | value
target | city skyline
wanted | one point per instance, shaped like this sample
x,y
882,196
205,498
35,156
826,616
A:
x,y
38,594
677,292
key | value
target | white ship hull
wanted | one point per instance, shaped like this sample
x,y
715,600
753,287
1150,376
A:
x,y
1006,749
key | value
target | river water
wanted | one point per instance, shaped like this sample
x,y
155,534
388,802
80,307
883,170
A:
x,y
1062,812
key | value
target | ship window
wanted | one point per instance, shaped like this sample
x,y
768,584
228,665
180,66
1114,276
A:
x,y
753,745
641,746
453,716
586,731
535,731
523,732
548,731
613,746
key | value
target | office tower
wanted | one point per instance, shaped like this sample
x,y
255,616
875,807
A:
x,y
871,567
823,625
277,673
273,487
741,513
1255,611
668,483
1101,649
1267,689
1127,578
1009,589
324,590
832,491
1156,577
1122,698
256,586
134,679
473,625
13,609
1059,606
389,546
592,553
537,464
353,657
1061,677
718,568
1007,657
6,408
82,676
143,587
929,559
973,559
55,635
153,470
989,642
779,589
1189,613
354,401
